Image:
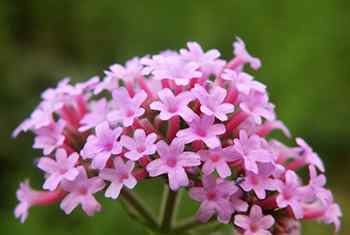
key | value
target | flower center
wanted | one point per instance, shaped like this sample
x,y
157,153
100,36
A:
x,y
141,149
214,157
171,163
201,131
130,113
83,190
254,227
108,146
211,196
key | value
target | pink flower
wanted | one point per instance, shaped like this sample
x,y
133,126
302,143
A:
x,y
332,215
109,83
217,159
212,103
139,146
172,161
128,73
256,104
290,194
102,146
63,168
309,155
50,138
251,150
242,82
28,197
315,189
203,129
256,223
209,61
172,105
177,70
260,182
215,198
81,191
128,108
237,202
120,176
241,52
97,115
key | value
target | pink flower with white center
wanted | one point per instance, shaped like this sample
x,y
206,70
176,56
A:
x,y
256,223
290,194
309,155
62,168
204,129
128,108
177,70
28,197
101,146
242,82
251,150
217,159
259,183
213,103
215,198
120,176
172,161
96,116
256,104
140,146
50,138
128,73
209,61
171,105
241,52
81,191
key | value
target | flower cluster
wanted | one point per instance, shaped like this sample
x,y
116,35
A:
x,y
189,116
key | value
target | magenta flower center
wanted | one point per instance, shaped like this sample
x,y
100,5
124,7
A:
x,y
171,162
141,149
211,196
130,113
83,190
215,157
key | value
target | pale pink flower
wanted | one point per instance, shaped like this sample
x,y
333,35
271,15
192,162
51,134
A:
x,y
212,103
140,145
242,82
204,129
332,215
177,70
101,146
290,194
281,151
88,85
97,115
128,73
259,183
309,155
50,138
256,223
81,191
171,105
62,168
128,108
251,150
120,176
315,189
215,198
256,104
241,52
154,62
108,83
208,62
217,159
172,162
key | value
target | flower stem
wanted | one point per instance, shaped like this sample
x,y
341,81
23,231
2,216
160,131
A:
x,y
169,209
139,206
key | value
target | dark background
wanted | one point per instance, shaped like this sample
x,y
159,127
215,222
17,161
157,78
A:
x,y
304,46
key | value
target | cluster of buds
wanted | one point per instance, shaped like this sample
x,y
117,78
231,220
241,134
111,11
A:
x,y
190,117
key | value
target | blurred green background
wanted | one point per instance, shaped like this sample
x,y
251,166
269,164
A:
x,y
304,45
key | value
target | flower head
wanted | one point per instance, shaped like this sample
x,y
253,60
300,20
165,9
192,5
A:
x,y
172,161
120,176
102,146
255,223
62,168
81,191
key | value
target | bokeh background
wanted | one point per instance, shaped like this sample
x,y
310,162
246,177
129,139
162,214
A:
x,y
304,45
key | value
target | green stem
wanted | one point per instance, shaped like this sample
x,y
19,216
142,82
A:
x,y
169,210
139,206
190,224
